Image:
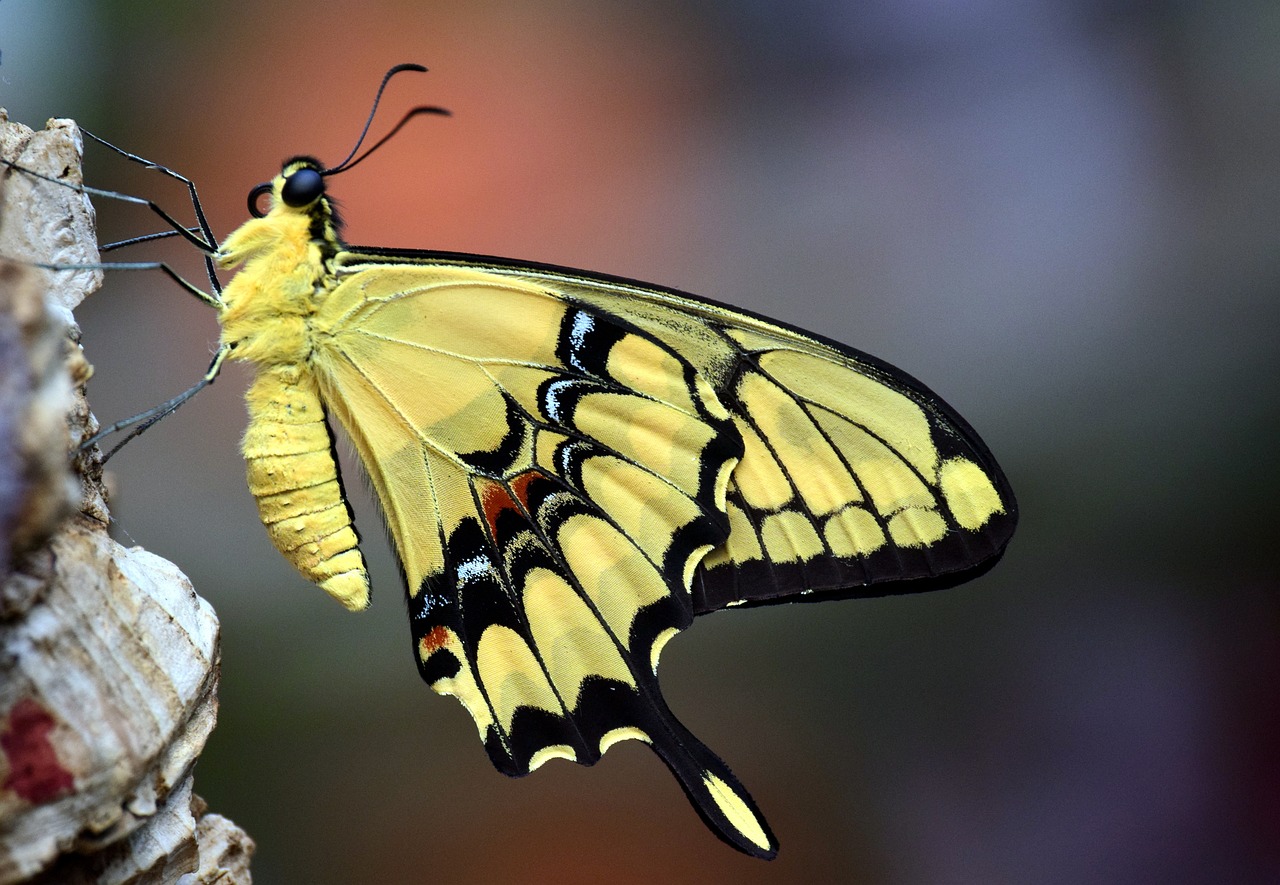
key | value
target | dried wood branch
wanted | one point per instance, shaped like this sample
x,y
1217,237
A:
x,y
108,658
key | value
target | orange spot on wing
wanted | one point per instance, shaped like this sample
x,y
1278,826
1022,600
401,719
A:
x,y
435,640
496,497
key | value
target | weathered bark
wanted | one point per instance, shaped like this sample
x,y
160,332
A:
x,y
108,658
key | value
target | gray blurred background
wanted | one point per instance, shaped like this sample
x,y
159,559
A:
x,y
1062,216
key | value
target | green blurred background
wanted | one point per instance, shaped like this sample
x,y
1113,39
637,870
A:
x,y
1061,215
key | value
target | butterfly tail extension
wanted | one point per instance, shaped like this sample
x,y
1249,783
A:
x,y
716,794
288,450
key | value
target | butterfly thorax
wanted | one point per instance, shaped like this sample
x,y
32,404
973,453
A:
x,y
283,277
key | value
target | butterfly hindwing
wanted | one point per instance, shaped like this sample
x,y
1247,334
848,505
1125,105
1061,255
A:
x,y
575,470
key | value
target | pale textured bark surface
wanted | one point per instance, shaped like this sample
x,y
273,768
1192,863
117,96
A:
x,y
108,658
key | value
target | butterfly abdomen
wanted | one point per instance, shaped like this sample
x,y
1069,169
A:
x,y
288,449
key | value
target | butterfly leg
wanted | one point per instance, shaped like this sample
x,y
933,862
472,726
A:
x,y
206,245
212,300
209,243
142,421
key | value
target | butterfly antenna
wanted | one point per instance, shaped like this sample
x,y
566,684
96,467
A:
x,y
372,111
424,109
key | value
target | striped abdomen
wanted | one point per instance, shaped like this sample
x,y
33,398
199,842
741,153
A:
x,y
292,474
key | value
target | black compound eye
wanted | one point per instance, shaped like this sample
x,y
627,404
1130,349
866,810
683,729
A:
x,y
302,188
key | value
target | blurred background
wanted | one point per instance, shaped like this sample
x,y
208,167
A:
x,y
1062,216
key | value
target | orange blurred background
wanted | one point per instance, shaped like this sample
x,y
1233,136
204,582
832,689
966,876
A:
x,y
1061,216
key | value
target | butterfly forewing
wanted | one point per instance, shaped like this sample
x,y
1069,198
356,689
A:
x,y
855,478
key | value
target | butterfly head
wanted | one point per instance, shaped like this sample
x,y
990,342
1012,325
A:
x,y
300,184
299,187
299,192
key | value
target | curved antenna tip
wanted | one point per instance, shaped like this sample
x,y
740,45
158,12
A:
x,y
386,78
353,160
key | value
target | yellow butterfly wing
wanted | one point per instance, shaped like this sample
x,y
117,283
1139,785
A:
x,y
551,476
573,466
